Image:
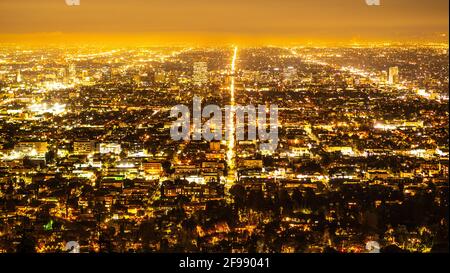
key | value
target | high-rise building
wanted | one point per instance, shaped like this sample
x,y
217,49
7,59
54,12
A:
x,y
35,149
150,76
110,148
290,74
83,147
394,77
85,74
107,73
72,72
19,76
62,74
200,76
383,77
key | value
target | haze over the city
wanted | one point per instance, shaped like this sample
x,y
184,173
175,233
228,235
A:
x,y
269,21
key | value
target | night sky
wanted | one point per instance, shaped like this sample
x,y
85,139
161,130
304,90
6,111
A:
x,y
332,20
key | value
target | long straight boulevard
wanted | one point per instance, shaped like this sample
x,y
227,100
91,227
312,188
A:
x,y
231,123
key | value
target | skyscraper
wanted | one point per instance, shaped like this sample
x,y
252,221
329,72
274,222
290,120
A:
x,y
290,74
383,77
19,76
394,77
72,72
200,76
107,73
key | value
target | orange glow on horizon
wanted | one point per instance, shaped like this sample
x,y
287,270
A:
x,y
191,39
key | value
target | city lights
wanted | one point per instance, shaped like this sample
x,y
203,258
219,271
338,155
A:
x,y
236,127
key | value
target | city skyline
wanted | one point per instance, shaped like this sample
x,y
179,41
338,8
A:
x,y
253,127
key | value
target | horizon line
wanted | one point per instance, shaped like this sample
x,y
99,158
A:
x,y
200,38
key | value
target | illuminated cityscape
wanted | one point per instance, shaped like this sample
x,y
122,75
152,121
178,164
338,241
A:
x,y
86,153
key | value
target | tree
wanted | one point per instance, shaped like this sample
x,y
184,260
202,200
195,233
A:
x,y
297,198
285,202
50,156
149,234
27,243
256,200
239,195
